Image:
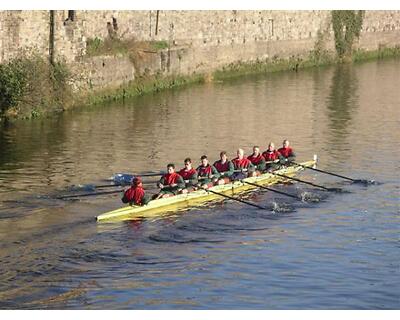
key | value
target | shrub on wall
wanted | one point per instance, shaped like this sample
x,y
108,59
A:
x,y
30,85
347,26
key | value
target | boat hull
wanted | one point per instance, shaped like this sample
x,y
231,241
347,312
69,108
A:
x,y
165,206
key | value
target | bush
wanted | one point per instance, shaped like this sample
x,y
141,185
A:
x,y
13,83
30,85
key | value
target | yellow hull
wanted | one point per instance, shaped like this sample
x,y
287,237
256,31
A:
x,y
159,207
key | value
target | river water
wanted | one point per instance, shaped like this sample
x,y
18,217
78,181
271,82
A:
x,y
340,253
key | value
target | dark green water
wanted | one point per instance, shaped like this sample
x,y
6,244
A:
x,y
340,253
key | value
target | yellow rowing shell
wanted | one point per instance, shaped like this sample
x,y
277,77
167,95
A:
x,y
157,208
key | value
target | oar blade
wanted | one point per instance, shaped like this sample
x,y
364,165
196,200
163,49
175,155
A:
x,y
365,181
122,179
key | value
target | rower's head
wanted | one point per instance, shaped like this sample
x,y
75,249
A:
x,y
171,168
285,143
271,146
188,163
256,150
136,181
204,161
240,153
223,156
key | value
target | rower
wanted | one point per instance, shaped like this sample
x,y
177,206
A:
x,y
136,195
258,160
189,175
207,173
271,156
225,168
170,183
287,154
242,166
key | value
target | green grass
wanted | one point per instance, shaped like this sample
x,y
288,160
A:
x,y
140,87
273,65
381,53
159,45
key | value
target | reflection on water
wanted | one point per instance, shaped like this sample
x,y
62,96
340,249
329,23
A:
x,y
338,253
341,106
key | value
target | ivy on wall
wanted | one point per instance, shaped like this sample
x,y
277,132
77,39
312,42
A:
x,y
347,26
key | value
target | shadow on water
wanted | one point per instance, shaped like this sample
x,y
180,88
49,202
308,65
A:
x,y
22,139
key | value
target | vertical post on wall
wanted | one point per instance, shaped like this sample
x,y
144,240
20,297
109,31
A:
x,y
272,27
158,12
150,23
51,37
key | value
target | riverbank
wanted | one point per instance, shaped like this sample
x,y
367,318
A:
x,y
156,83
153,84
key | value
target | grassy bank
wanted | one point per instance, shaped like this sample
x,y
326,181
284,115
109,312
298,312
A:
x,y
146,85
273,65
158,83
363,55
137,88
31,87
297,63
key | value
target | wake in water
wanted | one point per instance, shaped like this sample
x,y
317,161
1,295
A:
x,y
308,196
282,207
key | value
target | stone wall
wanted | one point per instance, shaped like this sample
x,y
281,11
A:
x,y
100,72
199,41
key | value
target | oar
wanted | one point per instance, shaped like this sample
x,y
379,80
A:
x,y
236,199
126,178
273,190
89,194
364,181
93,187
306,182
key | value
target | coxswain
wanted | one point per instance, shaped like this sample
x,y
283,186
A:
x,y
207,174
286,153
170,183
257,159
271,156
136,195
224,167
242,166
189,175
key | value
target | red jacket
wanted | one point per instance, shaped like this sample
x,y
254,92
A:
x,y
286,152
133,195
256,160
221,167
241,164
271,155
171,178
186,175
204,171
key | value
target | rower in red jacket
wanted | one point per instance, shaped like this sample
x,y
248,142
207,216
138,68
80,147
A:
x,y
286,152
225,168
243,165
170,183
189,175
272,157
257,159
135,195
207,173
